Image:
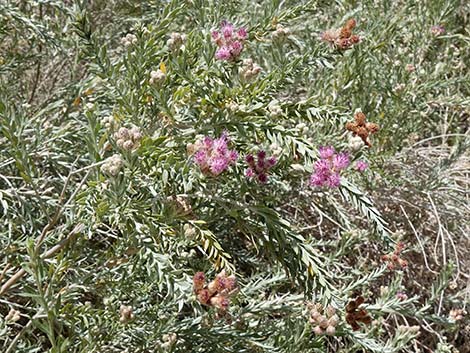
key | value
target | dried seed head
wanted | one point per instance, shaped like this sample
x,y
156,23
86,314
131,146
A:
x,y
351,126
345,32
372,127
350,24
362,133
355,39
360,118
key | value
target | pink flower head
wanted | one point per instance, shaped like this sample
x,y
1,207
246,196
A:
x,y
322,167
327,169
317,179
218,165
341,161
402,296
333,180
242,33
229,40
326,152
236,48
213,155
215,35
223,53
361,166
227,30
259,167
249,173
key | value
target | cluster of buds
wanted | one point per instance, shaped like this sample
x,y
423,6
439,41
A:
x,y
180,204
342,38
229,40
189,231
12,316
274,109
324,321
281,32
401,296
169,340
129,39
216,293
457,314
126,314
303,128
128,139
356,315
355,143
176,41
213,155
249,70
275,149
259,168
394,260
108,122
328,168
112,166
405,329
362,128
157,77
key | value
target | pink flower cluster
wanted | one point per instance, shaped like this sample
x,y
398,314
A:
x,y
258,167
229,40
361,166
213,155
328,168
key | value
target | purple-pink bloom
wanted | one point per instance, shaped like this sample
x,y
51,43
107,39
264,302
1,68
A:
x,y
326,152
249,173
213,155
341,161
361,166
223,53
333,180
317,179
227,31
236,48
327,169
242,33
218,165
229,40
259,166
322,166
402,295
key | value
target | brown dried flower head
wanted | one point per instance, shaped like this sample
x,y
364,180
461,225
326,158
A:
x,y
342,38
362,128
356,315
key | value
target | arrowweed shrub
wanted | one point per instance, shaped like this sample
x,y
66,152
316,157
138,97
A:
x,y
234,176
